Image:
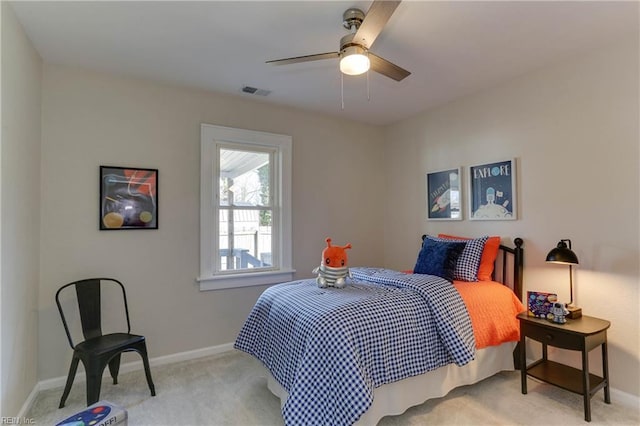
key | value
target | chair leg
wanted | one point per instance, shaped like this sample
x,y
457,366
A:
x,y
147,369
94,381
114,367
72,374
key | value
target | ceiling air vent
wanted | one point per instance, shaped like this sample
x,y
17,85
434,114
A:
x,y
255,91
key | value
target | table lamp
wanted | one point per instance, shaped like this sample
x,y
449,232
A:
x,y
563,255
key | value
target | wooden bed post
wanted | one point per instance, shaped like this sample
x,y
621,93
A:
x,y
518,267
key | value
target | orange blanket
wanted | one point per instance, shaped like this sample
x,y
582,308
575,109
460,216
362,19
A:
x,y
493,309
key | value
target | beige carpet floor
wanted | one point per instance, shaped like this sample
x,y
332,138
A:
x,y
227,389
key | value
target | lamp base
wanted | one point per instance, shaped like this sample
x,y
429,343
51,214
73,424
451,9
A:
x,y
574,312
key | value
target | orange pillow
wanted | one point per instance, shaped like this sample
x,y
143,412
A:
x,y
488,258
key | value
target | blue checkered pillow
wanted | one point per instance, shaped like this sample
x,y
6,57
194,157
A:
x,y
469,260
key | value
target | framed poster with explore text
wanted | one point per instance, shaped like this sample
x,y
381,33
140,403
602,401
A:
x,y
128,198
444,192
492,191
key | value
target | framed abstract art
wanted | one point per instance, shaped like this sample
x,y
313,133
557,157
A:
x,y
128,198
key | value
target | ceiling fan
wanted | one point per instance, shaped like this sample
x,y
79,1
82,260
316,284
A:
x,y
354,54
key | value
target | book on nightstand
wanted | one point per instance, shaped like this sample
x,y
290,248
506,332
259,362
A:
x,y
539,303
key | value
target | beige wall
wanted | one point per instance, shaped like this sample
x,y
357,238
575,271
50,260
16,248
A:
x,y
576,121
20,214
573,128
92,119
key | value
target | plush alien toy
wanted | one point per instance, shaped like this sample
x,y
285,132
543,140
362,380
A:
x,y
333,270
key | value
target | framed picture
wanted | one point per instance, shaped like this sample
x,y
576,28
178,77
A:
x,y
492,191
444,190
128,198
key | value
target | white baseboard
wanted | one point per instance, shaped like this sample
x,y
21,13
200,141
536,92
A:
x,y
58,382
29,402
624,398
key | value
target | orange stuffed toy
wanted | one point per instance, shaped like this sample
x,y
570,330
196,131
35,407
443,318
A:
x,y
333,270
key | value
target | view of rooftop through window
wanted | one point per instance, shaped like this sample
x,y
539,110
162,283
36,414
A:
x,y
245,209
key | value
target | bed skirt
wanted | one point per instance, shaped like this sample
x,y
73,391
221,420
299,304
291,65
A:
x,y
395,398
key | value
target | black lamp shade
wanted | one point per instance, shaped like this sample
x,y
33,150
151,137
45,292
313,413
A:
x,y
563,254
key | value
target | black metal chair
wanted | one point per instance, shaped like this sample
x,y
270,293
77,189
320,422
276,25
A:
x,y
98,350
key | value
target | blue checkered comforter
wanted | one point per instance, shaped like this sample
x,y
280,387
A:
x,y
329,348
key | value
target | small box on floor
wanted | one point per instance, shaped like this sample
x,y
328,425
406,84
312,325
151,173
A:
x,y
102,413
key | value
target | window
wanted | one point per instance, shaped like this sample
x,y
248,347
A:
x,y
245,208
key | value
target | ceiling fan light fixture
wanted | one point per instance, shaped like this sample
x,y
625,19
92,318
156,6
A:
x,y
354,60
354,54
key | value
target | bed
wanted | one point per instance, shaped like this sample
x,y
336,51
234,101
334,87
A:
x,y
390,339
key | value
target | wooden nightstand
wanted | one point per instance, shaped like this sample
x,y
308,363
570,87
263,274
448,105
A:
x,y
582,334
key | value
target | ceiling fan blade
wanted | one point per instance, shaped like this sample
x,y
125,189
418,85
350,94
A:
x,y
306,58
387,68
374,21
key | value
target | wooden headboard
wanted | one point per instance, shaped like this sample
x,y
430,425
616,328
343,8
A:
x,y
509,266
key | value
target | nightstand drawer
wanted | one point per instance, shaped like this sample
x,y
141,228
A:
x,y
553,337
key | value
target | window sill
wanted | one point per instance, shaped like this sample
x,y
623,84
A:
x,y
252,279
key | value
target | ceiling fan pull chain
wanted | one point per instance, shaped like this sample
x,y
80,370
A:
x,y
342,90
368,91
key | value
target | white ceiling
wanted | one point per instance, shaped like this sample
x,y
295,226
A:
x,y
452,48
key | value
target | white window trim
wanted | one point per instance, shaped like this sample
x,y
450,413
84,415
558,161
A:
x,y
210,135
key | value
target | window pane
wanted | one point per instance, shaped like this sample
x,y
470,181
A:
x,y
245,241
244,178
244,172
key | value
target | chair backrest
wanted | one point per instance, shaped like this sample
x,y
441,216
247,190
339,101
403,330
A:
x,y
89,298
